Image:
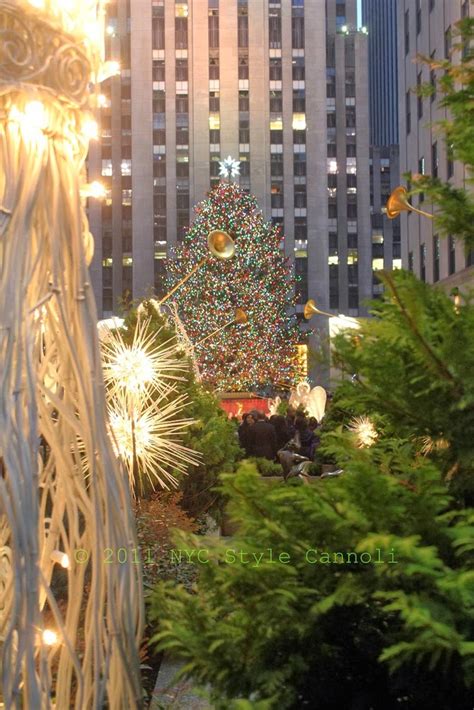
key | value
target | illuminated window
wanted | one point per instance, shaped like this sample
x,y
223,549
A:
x,y
126,167
332,166
299,121
214,122
107,167
276,124
377,264
181,9
126,197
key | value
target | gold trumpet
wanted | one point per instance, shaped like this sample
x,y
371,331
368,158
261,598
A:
x,y
220,245
240,317
398,202
311,309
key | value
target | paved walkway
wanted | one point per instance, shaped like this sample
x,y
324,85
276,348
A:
x,y
175,696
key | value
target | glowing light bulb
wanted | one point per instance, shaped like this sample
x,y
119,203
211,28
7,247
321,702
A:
x,y
108,69
94,189
49,637
102,100
35,115
110,30
61,558
90,129
37,3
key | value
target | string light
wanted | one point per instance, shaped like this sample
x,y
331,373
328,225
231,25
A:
x,y
258,279
49,637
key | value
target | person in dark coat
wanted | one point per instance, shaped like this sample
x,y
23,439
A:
x,y
262,438
306,436
281,430
248,421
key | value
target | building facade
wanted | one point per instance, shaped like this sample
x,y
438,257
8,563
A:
x,y
380,19
280,85
425,27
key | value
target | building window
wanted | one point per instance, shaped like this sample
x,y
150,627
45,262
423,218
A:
x,y
243,26
419,97
244,101
434,159
418,17
407,32
449,161
297,32
423,262
181,70
275,70
408,111
352,211
350,116
298,69
299,165
436,250
181,26
107,167
410,261
274,29
447,43
451,255
299,101
276,102
433,79
276,164
213,29
158,32
243,68
301,228
431,5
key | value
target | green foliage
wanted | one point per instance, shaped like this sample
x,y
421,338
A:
x,y
296,634
415,373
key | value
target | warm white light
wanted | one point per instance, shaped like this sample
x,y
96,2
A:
x,y
108,69
33,117
344,28
229,167
364,430
102,100
61,558
37,3
49,637
90,129
110,30
94,189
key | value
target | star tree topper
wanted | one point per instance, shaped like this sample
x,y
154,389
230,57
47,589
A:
x,y
229,168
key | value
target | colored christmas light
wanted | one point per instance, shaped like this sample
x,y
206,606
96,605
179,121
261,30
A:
x,y
257,279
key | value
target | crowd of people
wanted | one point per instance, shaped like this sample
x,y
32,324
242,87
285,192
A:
x,y
269,438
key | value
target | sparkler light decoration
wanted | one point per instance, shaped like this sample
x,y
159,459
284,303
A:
x,y
365,431
51,388
144,406
257,279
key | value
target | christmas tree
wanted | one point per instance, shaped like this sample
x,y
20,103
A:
x,y
257,279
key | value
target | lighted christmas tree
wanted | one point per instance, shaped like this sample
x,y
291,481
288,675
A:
x,y
258,279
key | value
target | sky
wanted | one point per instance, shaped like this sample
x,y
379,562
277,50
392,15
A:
x,y
359,13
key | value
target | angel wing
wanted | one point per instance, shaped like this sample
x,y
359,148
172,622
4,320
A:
x,y
316,403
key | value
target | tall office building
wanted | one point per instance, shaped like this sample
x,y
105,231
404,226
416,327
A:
x,y
281,86
425,27
380,19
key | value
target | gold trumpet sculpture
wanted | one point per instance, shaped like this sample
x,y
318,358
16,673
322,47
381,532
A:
x,y
311,309
398,202
240,317
220,245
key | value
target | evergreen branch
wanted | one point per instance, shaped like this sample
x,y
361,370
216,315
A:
x,y
439,364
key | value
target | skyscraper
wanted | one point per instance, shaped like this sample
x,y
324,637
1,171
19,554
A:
x,y
425,27
281,86
380,19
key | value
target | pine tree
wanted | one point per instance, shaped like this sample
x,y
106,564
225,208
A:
x,y
257,279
